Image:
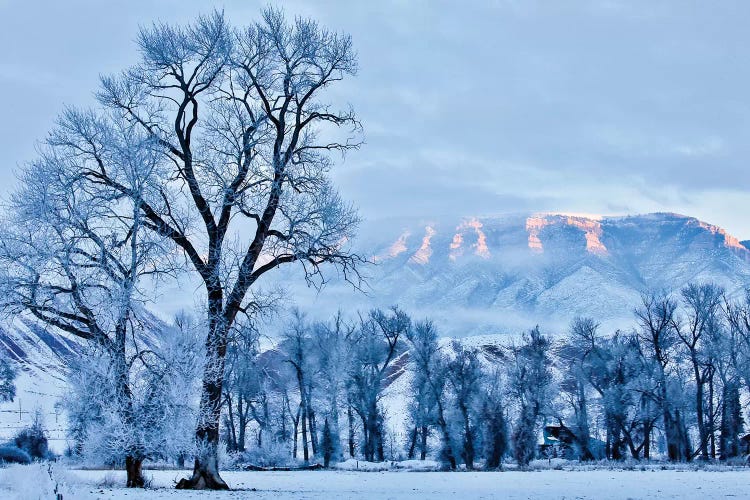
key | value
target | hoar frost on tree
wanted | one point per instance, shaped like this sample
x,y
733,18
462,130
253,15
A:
x,y
243,141
73,254
530,383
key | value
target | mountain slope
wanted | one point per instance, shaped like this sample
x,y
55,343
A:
x,y
501,274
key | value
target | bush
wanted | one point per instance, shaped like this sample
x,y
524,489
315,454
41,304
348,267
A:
x,y
271,454
10,454
33,439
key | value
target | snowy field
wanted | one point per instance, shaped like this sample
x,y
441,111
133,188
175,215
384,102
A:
x,y
32,482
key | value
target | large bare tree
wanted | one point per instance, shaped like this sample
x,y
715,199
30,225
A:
x,y
238,117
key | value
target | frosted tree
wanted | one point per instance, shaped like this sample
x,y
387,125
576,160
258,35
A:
x,y
239,119
427,392
530,380
575,354
732,361
161,400
464,378
702,306
623,379
73,253
298,349
658,336
332,343
379,344
492,418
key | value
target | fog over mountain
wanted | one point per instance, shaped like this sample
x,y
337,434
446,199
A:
x,y
501,274
486,275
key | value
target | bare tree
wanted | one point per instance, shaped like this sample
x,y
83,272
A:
x,y
465,377
245,141
297,347
424,357
658,325
73,254
702,305
575,354
429,385
530,381
378,347
332,342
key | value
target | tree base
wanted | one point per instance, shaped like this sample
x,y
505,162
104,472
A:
x,y
134,473
202,480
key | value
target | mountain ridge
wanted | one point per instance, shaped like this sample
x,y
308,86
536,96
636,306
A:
x,y
499,274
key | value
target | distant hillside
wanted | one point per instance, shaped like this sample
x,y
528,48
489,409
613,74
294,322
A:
x,y
500,274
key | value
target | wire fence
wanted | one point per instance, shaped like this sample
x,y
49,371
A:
x,y
19,414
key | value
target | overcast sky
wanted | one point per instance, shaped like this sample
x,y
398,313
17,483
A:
x,y
469,108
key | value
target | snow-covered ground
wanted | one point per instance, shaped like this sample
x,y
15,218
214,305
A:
x,y
32,482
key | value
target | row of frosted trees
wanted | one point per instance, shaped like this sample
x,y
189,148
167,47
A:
x,y
671,387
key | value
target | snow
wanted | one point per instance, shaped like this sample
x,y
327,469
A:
x,y
19,482
404,465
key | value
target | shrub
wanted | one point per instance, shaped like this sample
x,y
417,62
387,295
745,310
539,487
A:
x,y
33,439
10,454
271,454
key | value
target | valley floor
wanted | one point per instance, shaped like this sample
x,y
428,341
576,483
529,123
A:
x,y
25,482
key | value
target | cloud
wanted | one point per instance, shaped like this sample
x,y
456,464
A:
x,y
482,107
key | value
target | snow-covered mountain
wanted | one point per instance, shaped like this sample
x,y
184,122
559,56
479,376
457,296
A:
x,y
477,275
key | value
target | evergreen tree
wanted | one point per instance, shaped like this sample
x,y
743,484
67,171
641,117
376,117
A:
x,y
731,422
7,380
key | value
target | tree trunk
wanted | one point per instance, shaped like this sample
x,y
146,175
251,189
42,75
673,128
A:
x,y
242,416
305,452
671,434
134,477
423,444
702,432
335,427
647,426
232,445
133,472
712,413
206,469
296,432
608,443
350,416
371,434
468,440
583,434
380,439
678,446
412,443
313,430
